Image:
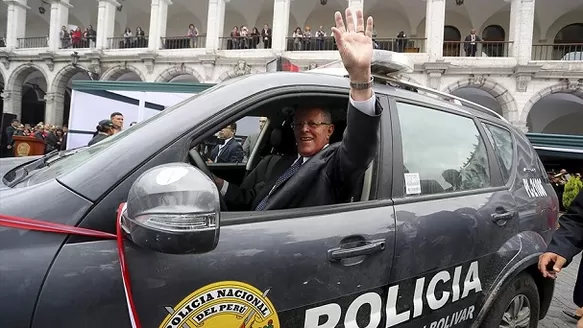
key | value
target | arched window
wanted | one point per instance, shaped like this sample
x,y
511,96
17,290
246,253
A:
x,y
569,43
451,41
490,35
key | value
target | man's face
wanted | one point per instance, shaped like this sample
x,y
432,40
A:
x,y
15,124
473,31
262,122
226,132
312,131
117,121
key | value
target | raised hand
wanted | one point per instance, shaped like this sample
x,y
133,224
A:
x,y
354,44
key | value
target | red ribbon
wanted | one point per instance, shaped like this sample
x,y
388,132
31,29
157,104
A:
x,y
37,225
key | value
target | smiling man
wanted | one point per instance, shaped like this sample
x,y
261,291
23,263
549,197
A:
x,y
322,173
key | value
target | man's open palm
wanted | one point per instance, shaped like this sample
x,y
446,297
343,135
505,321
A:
x,y
354,42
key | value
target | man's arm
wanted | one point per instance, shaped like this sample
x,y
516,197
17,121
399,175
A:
x,y
568,239
237,154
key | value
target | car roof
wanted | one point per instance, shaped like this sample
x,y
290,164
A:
x,y
334,79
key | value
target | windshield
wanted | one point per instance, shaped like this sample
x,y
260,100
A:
x,y
67,161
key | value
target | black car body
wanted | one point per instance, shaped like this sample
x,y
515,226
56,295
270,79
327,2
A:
x,y
441,258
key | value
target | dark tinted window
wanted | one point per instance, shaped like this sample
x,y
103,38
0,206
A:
x,y
503,147
442,152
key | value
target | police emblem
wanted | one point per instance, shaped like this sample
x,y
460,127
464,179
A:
x,y
223,304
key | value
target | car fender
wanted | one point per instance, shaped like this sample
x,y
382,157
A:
x,y
530,246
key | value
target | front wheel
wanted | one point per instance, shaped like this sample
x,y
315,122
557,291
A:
x,y
517,306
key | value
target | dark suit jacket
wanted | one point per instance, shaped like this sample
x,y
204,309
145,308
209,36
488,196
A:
x,y
568,239
232,152
329,177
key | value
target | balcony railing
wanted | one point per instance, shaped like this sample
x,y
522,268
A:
x,y
329,43
243,42
33,42
67,43
183,42
564,51
479,49
122,42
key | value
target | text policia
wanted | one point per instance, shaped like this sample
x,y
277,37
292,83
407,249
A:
x,y
328,315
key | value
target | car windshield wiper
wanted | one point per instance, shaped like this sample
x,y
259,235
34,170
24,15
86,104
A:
x,y
51,157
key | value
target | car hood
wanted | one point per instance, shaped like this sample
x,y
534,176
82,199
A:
x,y
7,164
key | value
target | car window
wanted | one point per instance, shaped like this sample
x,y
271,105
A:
x,y
442,152
503,144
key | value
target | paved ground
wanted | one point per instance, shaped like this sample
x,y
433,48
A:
x,y
562,299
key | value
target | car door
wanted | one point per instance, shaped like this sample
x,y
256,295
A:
x,y
325,266
454,216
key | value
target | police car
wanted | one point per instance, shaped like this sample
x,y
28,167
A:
x,y
445,230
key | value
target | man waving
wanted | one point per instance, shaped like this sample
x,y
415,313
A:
x,y
322,173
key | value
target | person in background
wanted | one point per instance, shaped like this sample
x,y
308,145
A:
x,y
117,120
105,129
567,242
471,43
8,133
251,140
230,151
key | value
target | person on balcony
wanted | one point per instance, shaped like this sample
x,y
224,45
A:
x,y
298,37
266,36
192,34
471,43
127,37
140,38
234,40
255,38
65,38
76,37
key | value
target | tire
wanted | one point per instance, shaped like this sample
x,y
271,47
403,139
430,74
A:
x,y
521,291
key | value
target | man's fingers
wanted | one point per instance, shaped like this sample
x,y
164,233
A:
x,y
359,21
542,265
349,20
339,22
559,263
338,37
369,27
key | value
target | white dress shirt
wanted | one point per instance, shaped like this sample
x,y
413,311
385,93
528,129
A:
x,y
365,106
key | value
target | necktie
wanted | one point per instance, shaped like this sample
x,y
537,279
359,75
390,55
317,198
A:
x,y
283,178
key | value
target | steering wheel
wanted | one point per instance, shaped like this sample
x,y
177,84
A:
x,y
201,164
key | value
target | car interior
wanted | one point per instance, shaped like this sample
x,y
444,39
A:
x,y
277,139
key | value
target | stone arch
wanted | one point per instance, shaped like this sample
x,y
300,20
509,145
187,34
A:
x,y
16,79
561,87
239,69
115,72
500,93
172,72
59,82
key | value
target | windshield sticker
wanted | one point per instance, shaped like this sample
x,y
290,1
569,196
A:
x,y
534,187
223,304
412,184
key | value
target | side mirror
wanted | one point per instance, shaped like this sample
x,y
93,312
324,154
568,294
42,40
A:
x,y
173,208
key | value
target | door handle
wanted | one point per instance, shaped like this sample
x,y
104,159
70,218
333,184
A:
x,y
336,254
501,218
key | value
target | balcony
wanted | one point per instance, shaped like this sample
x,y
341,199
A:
x,y
121,42
242,43
559,52
481,49
33,42
183,42
411,45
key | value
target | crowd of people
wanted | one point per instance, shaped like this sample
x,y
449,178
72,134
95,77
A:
x,y
566,185
54,137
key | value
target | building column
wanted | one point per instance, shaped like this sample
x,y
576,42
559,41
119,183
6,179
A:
x,y
215,24
105,22
15,22
54,108
158,20
434,27
12,101
522,29
59,18
280,26
357,4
